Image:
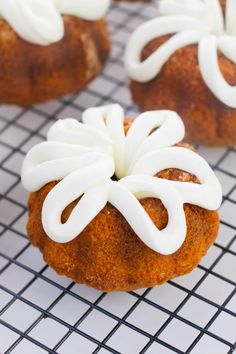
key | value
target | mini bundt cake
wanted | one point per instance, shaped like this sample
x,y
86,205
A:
x,y
185,61
120,204
50,48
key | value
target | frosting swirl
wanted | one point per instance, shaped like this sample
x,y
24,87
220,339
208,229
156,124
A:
x,y
40,22
190,22
84,157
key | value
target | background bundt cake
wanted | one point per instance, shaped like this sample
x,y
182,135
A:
x,y
37,64
207,105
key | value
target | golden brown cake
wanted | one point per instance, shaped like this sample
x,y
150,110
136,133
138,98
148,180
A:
x,y
111,252
190,80
39,68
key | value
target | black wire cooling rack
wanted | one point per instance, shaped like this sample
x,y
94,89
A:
x,y
42,312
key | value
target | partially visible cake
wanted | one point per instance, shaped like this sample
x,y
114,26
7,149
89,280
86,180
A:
x,y
185,61
49,49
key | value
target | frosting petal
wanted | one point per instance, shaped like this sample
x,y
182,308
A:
x,y
207,194
91,203
230,12
123,193
141,138
208,60
70,131
110,120
52,161
90,179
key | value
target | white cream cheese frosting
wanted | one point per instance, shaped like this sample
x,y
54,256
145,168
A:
x,y
83,157
189,22
40,21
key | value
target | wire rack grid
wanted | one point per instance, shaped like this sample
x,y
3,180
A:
x,y
41,312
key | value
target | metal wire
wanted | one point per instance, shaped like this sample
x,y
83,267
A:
x,y
109,87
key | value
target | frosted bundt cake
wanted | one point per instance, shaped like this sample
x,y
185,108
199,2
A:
x,y
185,60
120,204
50,48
